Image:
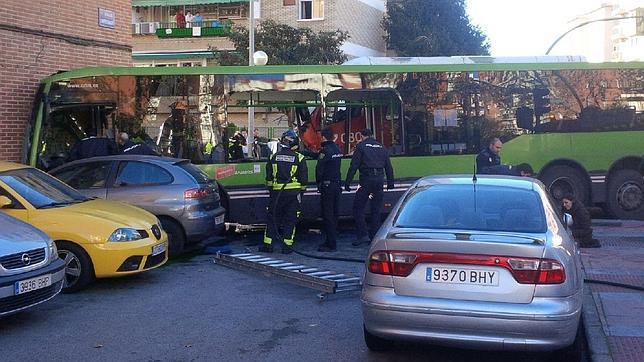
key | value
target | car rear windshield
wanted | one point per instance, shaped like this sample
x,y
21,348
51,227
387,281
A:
x,y
486,208
198,174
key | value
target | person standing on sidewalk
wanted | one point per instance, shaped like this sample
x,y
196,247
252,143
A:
x,y
581,230
372,159
286,179
327,177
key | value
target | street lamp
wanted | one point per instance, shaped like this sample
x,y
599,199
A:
x,y
590,22
260,58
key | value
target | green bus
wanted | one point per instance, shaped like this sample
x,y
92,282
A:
x,y
580,125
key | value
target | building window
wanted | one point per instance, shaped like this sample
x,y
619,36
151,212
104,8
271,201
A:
x,y
311,9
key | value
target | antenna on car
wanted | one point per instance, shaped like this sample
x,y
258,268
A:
x,y
474,179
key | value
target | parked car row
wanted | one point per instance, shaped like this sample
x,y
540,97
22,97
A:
x,y
127,216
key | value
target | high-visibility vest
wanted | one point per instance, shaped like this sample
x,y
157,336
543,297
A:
x,y
294,183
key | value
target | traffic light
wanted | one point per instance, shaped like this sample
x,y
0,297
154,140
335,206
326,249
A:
x,y
525,118
541,101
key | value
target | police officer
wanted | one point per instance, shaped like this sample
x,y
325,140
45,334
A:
x,y
130,148
327,177
490,156
286,178
235,149
372,159
92,146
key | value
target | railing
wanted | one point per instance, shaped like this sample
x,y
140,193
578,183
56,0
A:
x,y
188,29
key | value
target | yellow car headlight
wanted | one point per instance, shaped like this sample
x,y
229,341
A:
x,y
125,234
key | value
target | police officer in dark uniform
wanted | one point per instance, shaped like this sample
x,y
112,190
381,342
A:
x,y
92,146
130,148
490,156
286,178
372,159
327,177
522,169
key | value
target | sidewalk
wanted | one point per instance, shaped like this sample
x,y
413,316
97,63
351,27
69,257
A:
x,y
614,316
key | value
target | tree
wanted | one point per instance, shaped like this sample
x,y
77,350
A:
x,y
285,45
417,28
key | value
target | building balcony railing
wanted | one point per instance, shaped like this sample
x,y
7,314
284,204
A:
x,y
184,30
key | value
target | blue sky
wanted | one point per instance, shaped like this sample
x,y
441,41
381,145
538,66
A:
x,y
527,27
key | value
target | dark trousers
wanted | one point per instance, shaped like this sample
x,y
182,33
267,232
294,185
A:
x,y
371,185
331,192
282,217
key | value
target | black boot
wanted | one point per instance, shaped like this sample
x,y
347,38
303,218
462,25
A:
x,y
590,243
266,248
286,249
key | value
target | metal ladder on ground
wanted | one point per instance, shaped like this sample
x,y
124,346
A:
x,y
327,282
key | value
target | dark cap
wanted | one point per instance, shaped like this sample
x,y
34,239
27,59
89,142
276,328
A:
x,y
366,132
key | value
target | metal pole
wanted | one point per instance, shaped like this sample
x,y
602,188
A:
x,y
251,52
586,23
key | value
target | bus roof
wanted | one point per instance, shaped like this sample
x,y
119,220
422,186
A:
x,y
466,60
474,64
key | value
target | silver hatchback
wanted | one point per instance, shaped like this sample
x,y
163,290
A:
x,y
183,197
481,263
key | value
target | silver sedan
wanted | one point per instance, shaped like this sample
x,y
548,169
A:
x,y
481,263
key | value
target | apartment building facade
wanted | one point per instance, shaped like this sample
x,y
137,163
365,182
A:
x,y
40,38
612,40
159,40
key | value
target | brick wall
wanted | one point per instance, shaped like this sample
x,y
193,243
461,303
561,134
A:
x,y
360,20
39,38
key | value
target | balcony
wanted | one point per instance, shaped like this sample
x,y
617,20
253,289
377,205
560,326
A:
x,y
206,28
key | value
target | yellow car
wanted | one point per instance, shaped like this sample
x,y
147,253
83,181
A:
x,y
96,238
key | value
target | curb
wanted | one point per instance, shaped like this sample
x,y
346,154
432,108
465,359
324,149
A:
x,y
598,348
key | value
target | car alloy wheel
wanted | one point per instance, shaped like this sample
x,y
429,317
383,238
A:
x,y
73,267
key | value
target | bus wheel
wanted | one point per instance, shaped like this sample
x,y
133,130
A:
x,y
626,195
562,180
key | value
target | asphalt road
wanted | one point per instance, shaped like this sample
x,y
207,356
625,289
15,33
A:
x,y
194,310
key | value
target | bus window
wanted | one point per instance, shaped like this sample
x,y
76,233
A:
x,y
351,111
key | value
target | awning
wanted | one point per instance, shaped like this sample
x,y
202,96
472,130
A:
x,y
147,3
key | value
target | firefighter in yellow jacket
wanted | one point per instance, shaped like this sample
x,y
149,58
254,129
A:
x,y
286,179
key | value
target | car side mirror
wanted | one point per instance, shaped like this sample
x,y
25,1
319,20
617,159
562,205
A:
x,y
5,201
567,220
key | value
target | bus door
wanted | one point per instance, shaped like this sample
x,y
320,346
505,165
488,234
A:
x,y
380,110
66,124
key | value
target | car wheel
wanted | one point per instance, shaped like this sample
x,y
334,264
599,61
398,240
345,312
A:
x,y
626,195
375,343
176,237
562,180
79,271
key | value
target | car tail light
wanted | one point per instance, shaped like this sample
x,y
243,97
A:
x,y
197,193
524,270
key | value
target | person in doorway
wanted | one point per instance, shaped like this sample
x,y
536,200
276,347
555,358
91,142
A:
x,y
581,230
130,148
372,159
490,156
92,146
328,178
286,179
